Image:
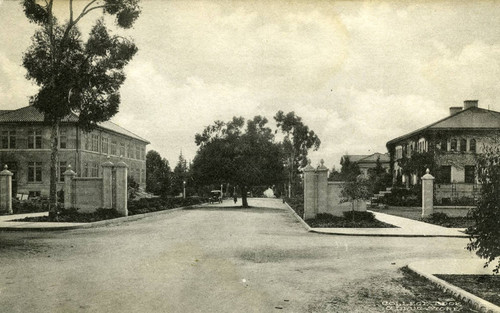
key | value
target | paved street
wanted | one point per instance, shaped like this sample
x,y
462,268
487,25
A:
x,y
208,259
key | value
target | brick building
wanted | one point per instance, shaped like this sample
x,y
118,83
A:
x,y
453,143
25,149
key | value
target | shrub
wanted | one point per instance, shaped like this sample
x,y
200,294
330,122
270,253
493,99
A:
x,y
359,215
19,207
297,204
146,205
438,217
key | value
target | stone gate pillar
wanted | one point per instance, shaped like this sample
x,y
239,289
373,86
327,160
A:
x,y
68,187
121,188
310,191
427,194
107,184
6,191
322,187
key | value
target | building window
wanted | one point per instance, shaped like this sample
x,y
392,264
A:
x,y
63,139
444,145
137,152
33,194
62,168
463,145
113,147
444,176
8,139
35,139
94,170
129,150
104,145
87,141
470,174
453,145
142,176
472,145
85,171
143,153
95,143
34,172
122,149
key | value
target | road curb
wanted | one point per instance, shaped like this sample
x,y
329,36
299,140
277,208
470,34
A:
x,y
307,227
465,296
110,222
386,235
312,230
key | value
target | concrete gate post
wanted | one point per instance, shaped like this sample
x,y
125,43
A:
x,y
68,187
322,185
310,191
121,188
427,194
6,191
107,184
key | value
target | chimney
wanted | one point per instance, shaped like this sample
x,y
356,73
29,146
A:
x,y
455,110
470,104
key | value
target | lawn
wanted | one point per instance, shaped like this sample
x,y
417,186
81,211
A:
x,y
348,220
486,287
455,218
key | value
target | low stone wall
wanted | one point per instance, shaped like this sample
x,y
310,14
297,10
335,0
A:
x,y
321,196
87,194
456,191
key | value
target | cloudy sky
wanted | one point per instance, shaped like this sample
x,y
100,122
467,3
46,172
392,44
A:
x,y
358,73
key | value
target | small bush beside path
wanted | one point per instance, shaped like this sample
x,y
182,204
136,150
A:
x,y
140,206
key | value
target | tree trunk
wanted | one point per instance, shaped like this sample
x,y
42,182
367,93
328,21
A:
x,y
244,200
54,156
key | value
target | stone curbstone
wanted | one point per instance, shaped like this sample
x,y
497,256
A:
x,y
307,227
110,222
465,296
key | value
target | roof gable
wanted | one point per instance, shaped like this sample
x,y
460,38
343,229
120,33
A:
x,y
472,118
384,158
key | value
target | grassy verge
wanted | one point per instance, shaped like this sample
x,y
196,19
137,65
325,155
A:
x,y
348,220
141,206
486,287
424,291
450,218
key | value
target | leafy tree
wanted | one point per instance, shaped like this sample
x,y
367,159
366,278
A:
x,y
335,175
355,190
378,178
485,234
243,156
158,174
77,76
349,170
299,139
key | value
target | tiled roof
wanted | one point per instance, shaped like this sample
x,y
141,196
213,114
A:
x,y
355,157
472,118
384,158
4,111
31,114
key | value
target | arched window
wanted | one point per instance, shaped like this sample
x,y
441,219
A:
x,y
463,145
472,145
453,145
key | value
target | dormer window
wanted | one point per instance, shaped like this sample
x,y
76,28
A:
x,y
463,145
472,145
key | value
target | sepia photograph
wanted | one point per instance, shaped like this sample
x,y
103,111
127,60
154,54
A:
x,y
305,156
